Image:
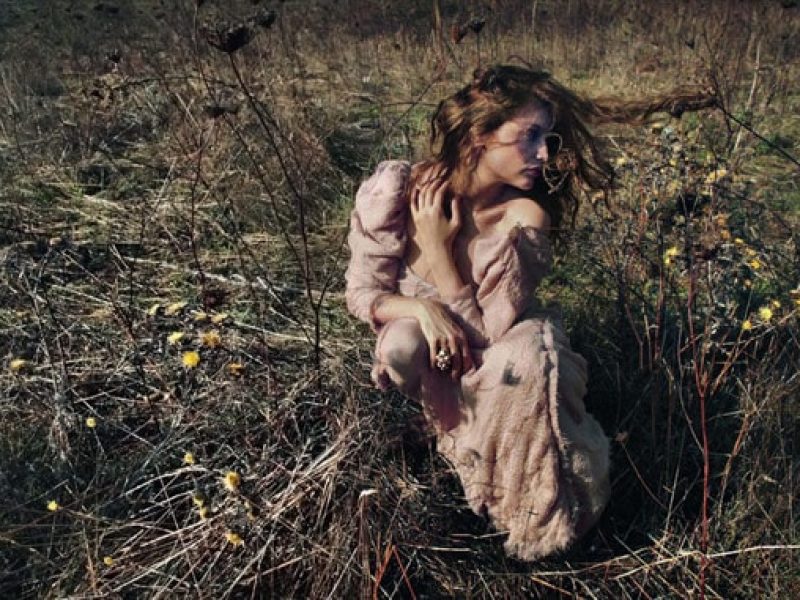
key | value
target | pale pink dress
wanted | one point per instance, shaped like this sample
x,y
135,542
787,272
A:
x,y
514,428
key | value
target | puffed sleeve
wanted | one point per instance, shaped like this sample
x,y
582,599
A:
x,y
377,238
508,269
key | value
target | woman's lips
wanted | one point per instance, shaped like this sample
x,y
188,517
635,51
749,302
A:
x,y
532,171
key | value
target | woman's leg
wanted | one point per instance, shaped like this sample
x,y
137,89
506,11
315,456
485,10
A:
x,y
401,356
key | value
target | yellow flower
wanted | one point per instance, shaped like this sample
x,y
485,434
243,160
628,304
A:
x,y
235,368
231,481
53,506
191,359
621,161
671,253
108,561
748,283
234,538
747,325
91,422
203,512
219,318
750,252
175,337
18,364
212,339
188,458
153,310
716,175
765,313
738,241
775,304
174,308
198,500
200,315
797,301
755,264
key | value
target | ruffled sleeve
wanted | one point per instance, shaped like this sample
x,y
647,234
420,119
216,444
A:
x,y
508,268
377,238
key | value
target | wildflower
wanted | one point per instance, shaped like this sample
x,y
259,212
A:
x,y
203,512
671,253
748,283
750,252
188,458
765,313
747,325
219,318
621,161
231,481
738,241
198,500
200,315
191,359
755,264
776,304
91,422
53,506
235,368
175,337
716,175
174,308
234,538
153,310
18,364
108,561
212,339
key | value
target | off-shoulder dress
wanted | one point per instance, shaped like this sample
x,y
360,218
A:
x,y
514,428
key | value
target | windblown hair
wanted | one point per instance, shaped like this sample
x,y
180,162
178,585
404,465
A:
x,y
498,92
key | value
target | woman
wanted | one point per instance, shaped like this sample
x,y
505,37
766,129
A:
x,y
446,257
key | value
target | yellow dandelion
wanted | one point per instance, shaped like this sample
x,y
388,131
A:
x,y
108,561
673,162
755,264
219,318
234,538
725,235
191,359
621,161
750,252
198,500
235,368
174,308
53,506
738,241
91,422
203,512
765,313
188,458
231,481
212,339
747,325
153,310
775,304
670,253
175,337
200,315
18,364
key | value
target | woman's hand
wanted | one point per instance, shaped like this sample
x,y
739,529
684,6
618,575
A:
x,y
435,232
441,332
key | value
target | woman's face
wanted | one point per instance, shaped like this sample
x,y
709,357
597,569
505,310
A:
x,y
515,152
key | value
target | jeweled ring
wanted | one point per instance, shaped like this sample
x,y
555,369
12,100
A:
x,y
444,360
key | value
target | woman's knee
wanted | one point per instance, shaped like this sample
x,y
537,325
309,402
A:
x,y
404,351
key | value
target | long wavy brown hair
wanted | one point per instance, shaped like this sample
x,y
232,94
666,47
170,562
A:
x,y
579,166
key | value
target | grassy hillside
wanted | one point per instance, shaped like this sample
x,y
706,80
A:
x,y
185,404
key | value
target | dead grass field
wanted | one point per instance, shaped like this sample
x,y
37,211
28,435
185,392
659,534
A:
x,y
185,404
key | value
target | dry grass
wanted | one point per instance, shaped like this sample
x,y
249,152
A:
x,y
181,176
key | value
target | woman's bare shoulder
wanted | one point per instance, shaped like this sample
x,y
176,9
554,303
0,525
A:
x,y
526,212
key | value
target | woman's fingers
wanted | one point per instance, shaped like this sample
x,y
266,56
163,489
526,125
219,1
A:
x,y
455,357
